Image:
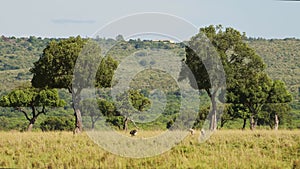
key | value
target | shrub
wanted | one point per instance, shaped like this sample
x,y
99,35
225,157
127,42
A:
x,y
58,123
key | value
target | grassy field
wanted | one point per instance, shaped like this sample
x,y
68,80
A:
x,y
225,149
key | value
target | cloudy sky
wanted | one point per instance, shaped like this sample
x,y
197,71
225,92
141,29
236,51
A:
x,y
63,18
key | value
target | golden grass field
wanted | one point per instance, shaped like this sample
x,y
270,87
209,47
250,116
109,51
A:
x,y
225,149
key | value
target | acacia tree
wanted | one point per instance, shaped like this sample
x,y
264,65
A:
x,y
61,67
239,61
38,100
129,103
248,88
260,96
252,93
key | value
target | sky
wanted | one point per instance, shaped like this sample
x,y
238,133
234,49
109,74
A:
x,y
64,18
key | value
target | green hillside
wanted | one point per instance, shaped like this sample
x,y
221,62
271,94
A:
x,y
17,55
16,58
282,57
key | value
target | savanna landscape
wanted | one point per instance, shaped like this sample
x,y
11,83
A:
x,y
47,110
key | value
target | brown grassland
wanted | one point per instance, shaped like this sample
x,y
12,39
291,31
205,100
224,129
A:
x,y
224,149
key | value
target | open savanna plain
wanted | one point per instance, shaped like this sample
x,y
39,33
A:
x,y
224,149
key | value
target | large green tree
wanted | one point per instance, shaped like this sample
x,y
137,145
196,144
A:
x,y
248,87
74,64
36,99
238,60
261,98
252,92
247,83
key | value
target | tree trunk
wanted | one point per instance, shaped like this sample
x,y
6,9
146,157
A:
x,y
93,125
78,121
30,126
76,100
222,123
125,124
31,123
276,122
244,124
252,123
213,120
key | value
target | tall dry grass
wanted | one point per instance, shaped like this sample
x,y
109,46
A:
x,y
225,149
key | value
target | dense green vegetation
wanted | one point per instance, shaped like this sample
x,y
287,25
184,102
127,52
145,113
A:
x,y
282,58
37,100
249,89
18,55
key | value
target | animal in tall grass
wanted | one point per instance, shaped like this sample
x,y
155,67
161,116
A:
x,y
133,132
192,131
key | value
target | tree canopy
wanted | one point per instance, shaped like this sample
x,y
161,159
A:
x,y
246,82
74,64
38,100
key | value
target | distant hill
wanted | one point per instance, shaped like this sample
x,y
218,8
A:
x,y
282,57
17,55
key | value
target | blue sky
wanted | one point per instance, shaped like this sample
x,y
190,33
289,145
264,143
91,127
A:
x,y
63,18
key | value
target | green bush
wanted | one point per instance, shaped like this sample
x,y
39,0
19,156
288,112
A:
x,y
57,123
4,122
116,121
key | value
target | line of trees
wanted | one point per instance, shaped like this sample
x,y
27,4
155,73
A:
x,y
76,64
